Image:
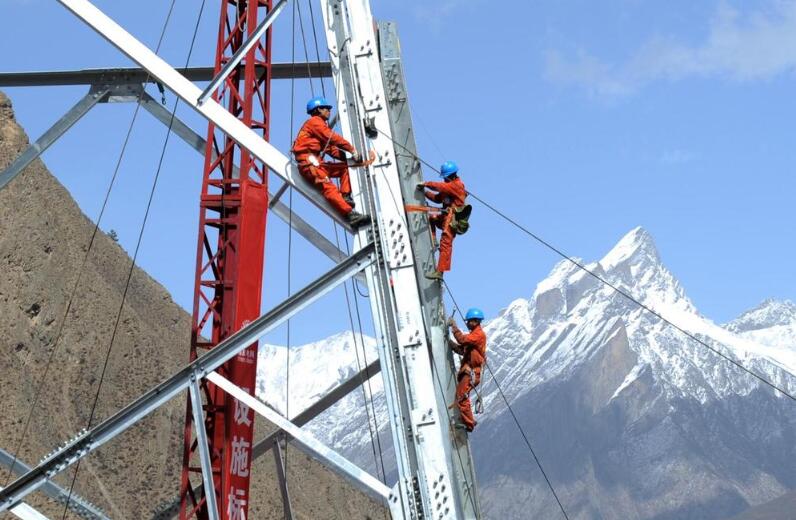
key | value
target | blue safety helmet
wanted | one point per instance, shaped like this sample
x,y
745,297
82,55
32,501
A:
x,y
447,169
317,102
474,314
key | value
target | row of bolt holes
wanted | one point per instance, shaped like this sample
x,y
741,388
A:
x,y
396,240
439,491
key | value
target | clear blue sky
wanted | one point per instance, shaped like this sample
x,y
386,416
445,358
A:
x,y
580,120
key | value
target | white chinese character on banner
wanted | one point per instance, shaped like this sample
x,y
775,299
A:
x,y
242,411
236,506
240,457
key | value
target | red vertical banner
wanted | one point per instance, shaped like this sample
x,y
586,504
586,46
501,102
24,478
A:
x,y
239,425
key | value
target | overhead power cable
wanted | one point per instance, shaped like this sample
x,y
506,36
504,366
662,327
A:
x,y
602,280
289,242
133,262
514,417
59,333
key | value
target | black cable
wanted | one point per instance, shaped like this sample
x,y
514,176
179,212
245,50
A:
x,y
133,263
378,459
290,235
632,299
609,284
306,53
317,51
40,385
513,416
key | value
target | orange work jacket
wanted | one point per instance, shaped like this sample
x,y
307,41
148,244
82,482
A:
x,y
315,137
448,194
473,347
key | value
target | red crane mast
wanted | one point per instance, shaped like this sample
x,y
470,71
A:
x,y
229,265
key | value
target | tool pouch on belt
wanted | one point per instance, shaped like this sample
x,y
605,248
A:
x,y
461,219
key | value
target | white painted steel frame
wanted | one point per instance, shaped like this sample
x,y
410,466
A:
x,y
26,512
362,479
88,441
421,438
420,430
195,391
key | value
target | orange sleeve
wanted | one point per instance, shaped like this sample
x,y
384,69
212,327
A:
x,y
327,136
444,188
436,197
466,340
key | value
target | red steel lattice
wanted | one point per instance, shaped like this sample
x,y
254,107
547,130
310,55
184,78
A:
x,y
229,266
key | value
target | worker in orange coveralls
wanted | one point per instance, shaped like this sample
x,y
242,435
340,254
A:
x,y
313,141
472,348
451,195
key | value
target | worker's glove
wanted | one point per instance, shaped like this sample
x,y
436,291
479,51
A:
x,y
357,157
420,186
451,322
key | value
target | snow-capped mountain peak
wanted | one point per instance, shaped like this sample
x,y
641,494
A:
x,y
769,313
635,247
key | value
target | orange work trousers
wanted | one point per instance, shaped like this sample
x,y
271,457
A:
x,y
463,389
443,221
321,177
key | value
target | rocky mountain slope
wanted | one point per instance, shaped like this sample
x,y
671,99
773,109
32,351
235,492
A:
x,y
43,241
630,418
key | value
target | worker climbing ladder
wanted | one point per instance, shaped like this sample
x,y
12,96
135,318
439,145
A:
x,y
435,473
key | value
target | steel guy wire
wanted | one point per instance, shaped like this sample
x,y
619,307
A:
x,y
297,4
290,235
56,341
317,51
375,441
602,280
514,417
133,261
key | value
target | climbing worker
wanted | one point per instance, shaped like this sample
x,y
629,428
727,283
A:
x,y
451,194
472,348
316,139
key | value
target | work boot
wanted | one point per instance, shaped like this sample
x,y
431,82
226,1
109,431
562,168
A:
x,y
349,200
462,426
358,219
434,275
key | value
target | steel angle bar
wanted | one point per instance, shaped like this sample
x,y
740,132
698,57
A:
x,y
52,134
362,479
242,51
280,472
26,512
320,406
77,504
171,510
198,143
204,450
110,76
189,93
86,442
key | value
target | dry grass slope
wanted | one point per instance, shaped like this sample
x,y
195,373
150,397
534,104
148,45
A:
x,y
43,241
